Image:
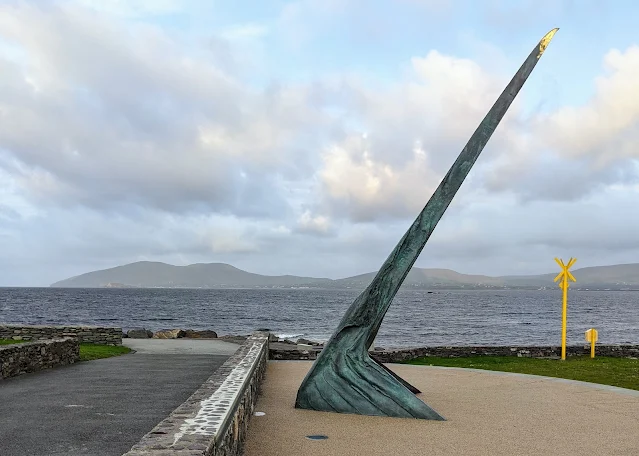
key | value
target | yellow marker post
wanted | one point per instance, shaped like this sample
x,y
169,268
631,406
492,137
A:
x,y
592,335
565,275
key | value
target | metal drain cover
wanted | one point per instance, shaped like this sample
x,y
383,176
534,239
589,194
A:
x,y
317,437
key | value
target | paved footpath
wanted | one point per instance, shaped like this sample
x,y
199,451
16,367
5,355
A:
x,y
103,407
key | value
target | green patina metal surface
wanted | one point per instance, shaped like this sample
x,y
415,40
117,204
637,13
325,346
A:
x,y
344,378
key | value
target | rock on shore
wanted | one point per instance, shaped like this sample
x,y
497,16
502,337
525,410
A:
x,y
205,334
169,334
139,333
142,333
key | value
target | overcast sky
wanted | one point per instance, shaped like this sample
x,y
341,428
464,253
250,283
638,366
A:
x,y
303,137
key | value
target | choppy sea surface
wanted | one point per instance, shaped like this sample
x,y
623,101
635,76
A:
x,y
416,317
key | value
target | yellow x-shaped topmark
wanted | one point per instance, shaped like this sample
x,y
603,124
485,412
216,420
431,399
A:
x,y
564,271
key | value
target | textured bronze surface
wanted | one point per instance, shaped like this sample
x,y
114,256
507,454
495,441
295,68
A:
x,y
344,378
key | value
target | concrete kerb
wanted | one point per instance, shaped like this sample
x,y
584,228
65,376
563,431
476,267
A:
x,y
214,420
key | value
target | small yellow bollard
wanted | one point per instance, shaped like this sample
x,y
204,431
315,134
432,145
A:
x,y
592,335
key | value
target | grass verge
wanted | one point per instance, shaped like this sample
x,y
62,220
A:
x,y
90,352
10,341
622,372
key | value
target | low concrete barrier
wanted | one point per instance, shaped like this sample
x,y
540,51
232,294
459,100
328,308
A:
x,y
214,420
85,334
399,355
21,358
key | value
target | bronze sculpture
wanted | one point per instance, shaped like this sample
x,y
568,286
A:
x,y
344,378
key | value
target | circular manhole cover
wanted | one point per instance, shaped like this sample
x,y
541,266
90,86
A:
x,y
317,437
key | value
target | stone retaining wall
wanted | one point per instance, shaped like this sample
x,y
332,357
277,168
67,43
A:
x,y
214,420
395,356
21,358
85,334
293,354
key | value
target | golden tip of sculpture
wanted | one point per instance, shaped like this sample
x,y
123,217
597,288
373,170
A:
x,y
543,44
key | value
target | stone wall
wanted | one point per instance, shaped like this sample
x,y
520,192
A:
x,y
394,356
293,354
214,420
21,358
85,334
399,355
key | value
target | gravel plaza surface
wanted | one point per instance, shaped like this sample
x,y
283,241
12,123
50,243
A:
x,y
487,413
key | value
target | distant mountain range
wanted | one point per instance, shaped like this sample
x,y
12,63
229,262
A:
x,y
147,274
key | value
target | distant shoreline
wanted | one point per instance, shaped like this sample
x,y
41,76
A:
x,y
145,274
432,289
429,290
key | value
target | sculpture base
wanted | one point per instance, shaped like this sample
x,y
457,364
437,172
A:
x,y
351,382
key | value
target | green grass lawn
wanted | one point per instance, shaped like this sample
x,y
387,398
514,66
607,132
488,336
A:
x,y
9,341
88,352
620,372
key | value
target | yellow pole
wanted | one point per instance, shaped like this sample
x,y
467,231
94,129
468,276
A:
x,y
592,347
564,275
564,317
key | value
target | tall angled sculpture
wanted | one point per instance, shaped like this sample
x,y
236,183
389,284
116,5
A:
x,y
344,378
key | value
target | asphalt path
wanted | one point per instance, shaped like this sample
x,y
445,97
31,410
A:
x,y
102,407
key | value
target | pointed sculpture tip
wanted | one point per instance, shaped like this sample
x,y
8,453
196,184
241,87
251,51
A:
x,y
543,44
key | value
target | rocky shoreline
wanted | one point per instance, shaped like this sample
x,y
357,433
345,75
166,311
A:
x,y
143,333
304,349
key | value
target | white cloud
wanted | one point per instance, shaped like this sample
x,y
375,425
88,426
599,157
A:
x,y
281,230
134,8
368,188
315,224
120,140
242,32
606,128
576,150
124,114
229,243
418,128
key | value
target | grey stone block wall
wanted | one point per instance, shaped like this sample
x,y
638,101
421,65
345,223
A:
x,y
293,354
21,358
214,420
85,334
395,356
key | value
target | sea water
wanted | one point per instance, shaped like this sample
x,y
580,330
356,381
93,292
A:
x,y
415,318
